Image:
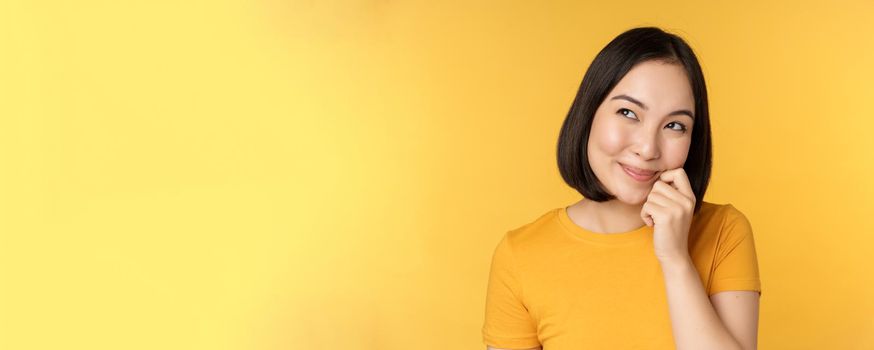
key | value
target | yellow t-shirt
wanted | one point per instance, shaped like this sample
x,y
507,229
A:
x,y
555,284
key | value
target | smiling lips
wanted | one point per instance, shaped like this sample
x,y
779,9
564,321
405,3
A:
x,y
637,173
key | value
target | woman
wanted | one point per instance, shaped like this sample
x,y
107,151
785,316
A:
x,y
641,262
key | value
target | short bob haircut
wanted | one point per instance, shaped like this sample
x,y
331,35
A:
x,y
609,66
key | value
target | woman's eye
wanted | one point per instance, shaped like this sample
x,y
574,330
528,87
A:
x,y
626,111
682,127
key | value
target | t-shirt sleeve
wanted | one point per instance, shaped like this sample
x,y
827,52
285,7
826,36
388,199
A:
x,y
508,323
736,262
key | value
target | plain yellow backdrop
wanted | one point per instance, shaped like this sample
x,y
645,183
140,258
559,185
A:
x,y
336,174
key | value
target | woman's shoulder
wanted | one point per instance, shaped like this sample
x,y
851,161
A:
x,y
535,224
715,217
724,210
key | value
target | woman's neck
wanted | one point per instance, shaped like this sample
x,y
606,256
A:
x,y
608,217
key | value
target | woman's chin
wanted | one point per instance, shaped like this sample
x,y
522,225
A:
x,y
632,198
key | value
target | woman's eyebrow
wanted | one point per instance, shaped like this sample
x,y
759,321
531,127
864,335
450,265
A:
x,y
637,102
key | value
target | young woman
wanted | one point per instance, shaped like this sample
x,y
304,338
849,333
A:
x,y
641,262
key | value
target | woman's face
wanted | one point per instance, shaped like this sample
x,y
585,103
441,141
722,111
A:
x,y
653,134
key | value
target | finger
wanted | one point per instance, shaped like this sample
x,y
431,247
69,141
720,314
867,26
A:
x,y
649,211
679,180
659,198
668,191
645,216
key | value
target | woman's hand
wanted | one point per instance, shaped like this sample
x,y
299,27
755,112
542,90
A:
x,y
669,208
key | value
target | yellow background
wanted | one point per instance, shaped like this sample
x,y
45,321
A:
x,y
325,175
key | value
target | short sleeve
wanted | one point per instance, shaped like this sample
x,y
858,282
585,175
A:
x,y
508,323
736,262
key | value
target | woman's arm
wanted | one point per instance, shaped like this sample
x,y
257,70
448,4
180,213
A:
x,y
695,322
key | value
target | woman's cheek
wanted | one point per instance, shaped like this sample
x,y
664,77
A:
x,y
677,154
614,140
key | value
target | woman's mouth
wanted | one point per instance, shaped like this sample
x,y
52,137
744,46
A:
x,y
641,176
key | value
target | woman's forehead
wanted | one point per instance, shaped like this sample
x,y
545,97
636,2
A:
x,y
656,85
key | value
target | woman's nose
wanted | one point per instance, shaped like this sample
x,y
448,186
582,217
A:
x,y
646,144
